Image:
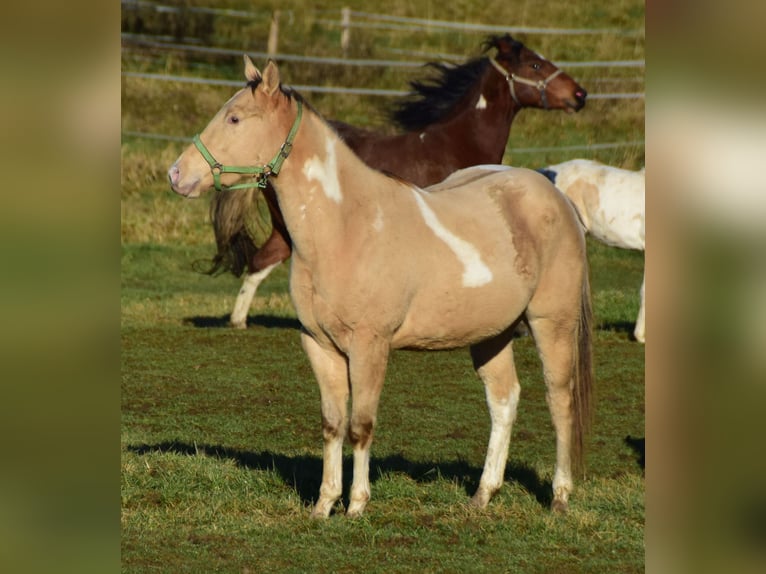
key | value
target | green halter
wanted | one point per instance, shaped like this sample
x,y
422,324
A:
x,y
262,173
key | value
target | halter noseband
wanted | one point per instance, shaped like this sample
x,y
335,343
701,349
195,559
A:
x,y
541,85
261,172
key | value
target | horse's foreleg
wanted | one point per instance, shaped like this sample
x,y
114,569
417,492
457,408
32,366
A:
x,y
556,344
493,360
246,295
331,371
275,250
640,332
368,359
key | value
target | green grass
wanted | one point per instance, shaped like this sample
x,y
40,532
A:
x,y
221,443
221,437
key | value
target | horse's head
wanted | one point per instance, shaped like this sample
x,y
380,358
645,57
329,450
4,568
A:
x,y
533,80
247,138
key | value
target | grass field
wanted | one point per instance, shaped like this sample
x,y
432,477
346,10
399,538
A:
x,y
221,435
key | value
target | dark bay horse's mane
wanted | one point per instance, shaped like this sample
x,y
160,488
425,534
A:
x,y
435,97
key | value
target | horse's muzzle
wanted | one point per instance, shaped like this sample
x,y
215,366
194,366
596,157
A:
x,y
174,174
174,178
580,96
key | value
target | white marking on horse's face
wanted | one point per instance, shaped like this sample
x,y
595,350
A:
x,y
475,273
377,225
325,172
482,103
422,136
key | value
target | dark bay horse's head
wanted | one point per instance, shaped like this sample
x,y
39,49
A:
x,y
533,80
224,153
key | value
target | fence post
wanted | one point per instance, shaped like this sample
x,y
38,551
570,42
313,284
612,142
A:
x,y
346,29
273,34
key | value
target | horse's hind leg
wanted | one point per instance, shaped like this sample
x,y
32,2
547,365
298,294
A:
x,y
331,371
493,361
556,344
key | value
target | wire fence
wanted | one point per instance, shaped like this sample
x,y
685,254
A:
x,y
358,19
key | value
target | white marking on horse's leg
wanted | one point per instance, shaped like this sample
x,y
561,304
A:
x,y
475,273
502,390
332,475
246,295
360,489
482,103
331,372
640,332
325,171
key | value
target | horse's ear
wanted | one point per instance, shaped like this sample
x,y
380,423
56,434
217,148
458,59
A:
x,y
251,72
507,45
270,78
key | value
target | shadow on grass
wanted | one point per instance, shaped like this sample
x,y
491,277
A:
x,y
618,327
222,322
638,445
304,472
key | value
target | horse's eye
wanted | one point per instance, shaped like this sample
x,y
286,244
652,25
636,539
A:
x,y
536,66
233,120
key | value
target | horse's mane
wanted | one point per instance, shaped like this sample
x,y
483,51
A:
x,y
432,99
435,97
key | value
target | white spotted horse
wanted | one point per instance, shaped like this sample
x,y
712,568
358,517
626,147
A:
x,y
380,264
457,118
610,201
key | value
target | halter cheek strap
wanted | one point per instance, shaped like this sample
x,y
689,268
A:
x,y
261,173
541,85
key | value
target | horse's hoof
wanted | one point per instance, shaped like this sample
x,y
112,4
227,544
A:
x,y
479,500
356,508
559,507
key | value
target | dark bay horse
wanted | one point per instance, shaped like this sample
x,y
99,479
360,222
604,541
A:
x,y
380,264
460,117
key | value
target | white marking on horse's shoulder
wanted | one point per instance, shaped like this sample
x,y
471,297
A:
x,y
325,171
475,273
482,103
377,224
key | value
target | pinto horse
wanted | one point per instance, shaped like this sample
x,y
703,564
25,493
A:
x,y
459,118
381,264
610,201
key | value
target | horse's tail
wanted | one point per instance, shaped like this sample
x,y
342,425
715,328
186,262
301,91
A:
x,y
582,392
229,211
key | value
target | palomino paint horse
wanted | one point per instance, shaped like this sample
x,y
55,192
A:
x,y
459,118
611,203
380,264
